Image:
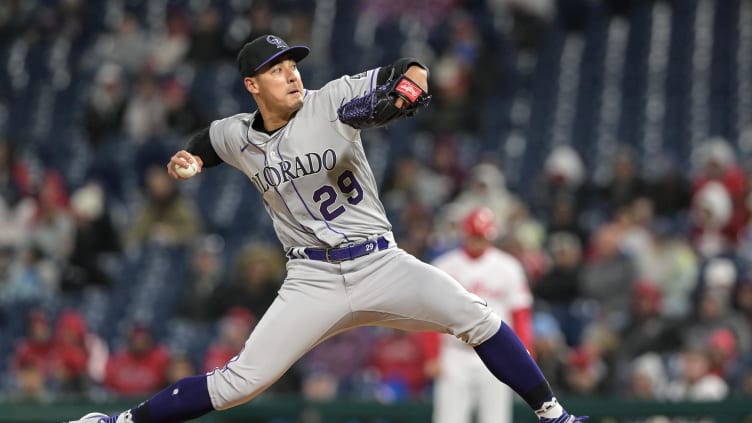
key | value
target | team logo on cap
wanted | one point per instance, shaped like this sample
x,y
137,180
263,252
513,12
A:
x,y
276,41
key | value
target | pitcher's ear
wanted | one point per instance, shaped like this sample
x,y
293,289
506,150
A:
x,y
251,84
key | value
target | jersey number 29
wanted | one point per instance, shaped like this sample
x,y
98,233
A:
x,y
347,185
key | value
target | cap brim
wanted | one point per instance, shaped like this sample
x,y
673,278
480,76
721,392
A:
x,y
297,53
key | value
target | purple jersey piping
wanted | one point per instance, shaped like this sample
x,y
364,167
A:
x,y
306,230
279,144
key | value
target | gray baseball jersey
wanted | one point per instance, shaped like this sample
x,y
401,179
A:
x,y
320,192
316,183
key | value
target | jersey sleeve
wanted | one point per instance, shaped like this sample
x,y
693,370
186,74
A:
x,y
200,145
227,137
346,88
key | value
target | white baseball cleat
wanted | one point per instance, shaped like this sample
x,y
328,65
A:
x,y
91,418
125,417
564,418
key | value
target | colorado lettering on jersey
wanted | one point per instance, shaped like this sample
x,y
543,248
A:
x,y
286,170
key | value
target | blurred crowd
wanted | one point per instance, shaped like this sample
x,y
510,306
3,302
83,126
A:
x,y
642,282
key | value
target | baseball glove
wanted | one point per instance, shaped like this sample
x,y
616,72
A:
x,y
377,108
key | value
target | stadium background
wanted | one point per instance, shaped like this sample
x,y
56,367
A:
x,y
611,137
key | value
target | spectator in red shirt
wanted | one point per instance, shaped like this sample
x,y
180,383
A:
x,y
140,368
716,163
73,354
234,329
37,350
400,360
723,355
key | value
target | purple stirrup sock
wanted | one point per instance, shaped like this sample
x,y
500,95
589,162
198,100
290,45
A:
x,y
507,358
184,400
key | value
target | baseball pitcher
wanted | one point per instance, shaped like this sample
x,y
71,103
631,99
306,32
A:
x,y
302,151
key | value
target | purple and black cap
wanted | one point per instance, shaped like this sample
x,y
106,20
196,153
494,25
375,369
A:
x,y
264,50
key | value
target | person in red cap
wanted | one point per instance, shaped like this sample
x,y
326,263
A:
x,y
36,350
723,355
71,344
140,368
463,383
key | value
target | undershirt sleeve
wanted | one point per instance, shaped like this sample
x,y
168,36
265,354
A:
x,y
200,145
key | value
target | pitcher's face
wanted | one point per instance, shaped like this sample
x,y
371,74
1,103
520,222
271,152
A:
x,y
278,86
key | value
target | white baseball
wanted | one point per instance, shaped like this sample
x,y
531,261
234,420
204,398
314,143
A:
x,y
187,172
